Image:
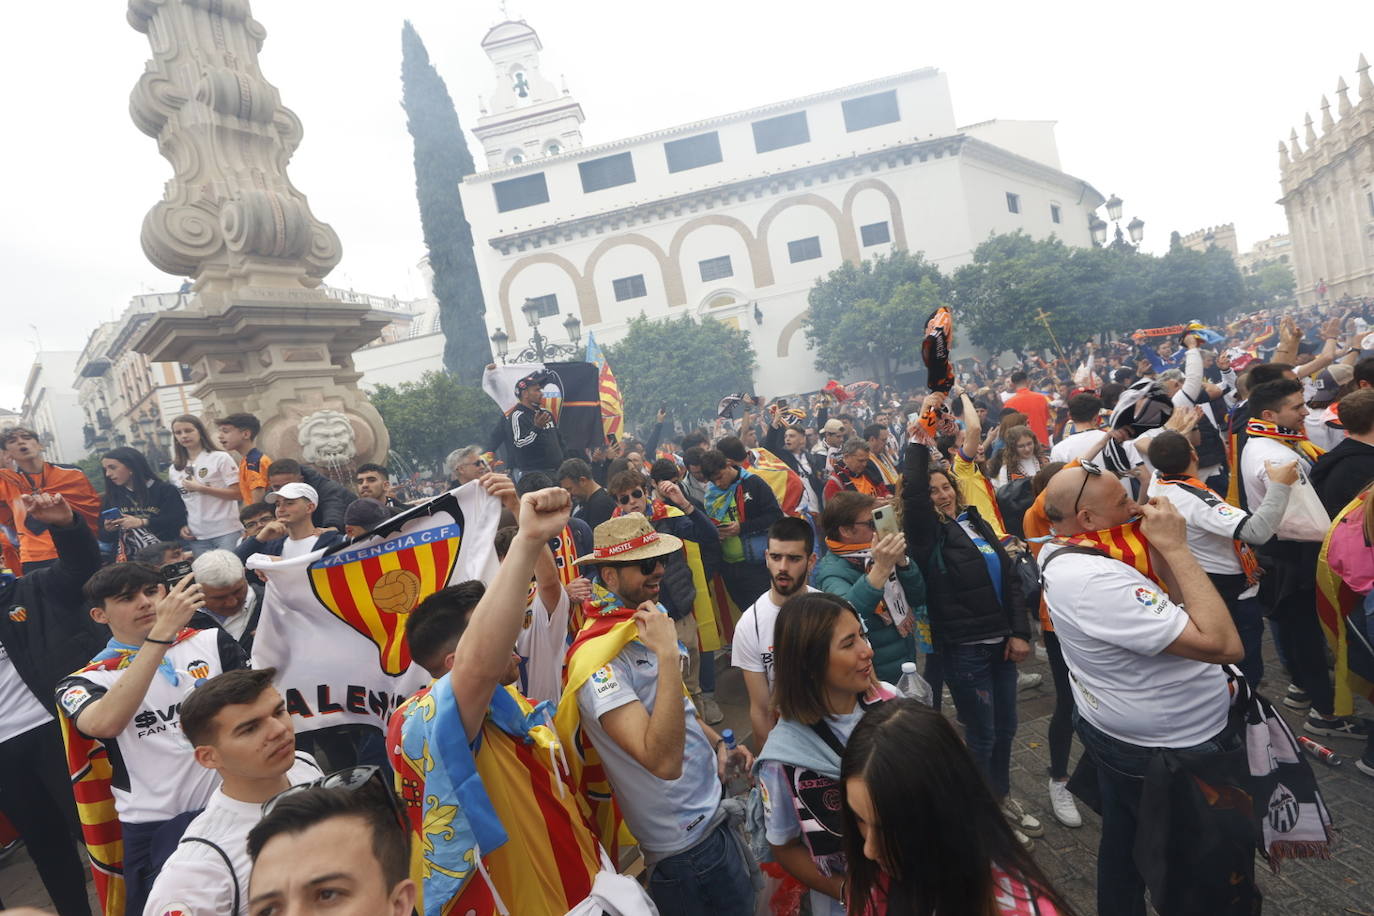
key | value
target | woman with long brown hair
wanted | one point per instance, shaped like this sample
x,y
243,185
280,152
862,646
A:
x,y
208,479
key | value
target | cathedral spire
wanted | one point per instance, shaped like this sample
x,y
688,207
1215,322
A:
x,y
1309,135
1328,125
1342,97
1366,85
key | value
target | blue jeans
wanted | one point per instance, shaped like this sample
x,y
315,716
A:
x,y
983,685
710,879
1120,778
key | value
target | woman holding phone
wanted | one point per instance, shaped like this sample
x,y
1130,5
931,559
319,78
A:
x,y
140,508
209,483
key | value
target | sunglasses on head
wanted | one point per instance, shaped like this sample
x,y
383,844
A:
x,y
624,498
353,779
1091,470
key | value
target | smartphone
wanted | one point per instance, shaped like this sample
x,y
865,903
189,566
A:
x,y
173,573
885,520
110,515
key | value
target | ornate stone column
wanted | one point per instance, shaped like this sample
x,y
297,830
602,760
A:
x,y
258,334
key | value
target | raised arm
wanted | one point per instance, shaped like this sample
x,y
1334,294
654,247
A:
x,y
484,649
1210,635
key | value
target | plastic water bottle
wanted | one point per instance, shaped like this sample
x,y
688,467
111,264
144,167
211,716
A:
x,y
736,780
913,686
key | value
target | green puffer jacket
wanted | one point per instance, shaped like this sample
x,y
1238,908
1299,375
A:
x,y
842,577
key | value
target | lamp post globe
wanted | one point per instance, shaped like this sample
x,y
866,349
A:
x,y
573,327
1114,208
1098,227
1136,230
501,340
531,310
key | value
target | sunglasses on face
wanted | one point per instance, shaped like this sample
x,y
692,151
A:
x,y
1091,470
624,498
353,779
646,567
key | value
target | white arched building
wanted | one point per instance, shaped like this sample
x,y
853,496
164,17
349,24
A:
x,y
736,217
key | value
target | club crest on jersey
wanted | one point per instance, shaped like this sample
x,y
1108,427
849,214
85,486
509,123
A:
x,y
19,614
178,909
199,668
373,587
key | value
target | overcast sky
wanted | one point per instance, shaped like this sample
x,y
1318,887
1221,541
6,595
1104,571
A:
x,y
1177,107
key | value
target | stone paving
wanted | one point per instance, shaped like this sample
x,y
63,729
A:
x,y
1342,885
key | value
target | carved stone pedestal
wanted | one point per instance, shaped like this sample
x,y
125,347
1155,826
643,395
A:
x,y
282,355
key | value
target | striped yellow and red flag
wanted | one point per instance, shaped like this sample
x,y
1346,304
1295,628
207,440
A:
x,y
612,407
785,483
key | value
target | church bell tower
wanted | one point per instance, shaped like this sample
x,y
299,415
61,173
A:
x,y
524,116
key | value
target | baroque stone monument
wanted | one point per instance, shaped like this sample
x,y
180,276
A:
x,y
259,335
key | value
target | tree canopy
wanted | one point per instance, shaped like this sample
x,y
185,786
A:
x,y
430,418
871,315
1270,284
442,161
683,364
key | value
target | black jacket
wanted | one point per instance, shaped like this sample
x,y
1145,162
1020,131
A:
x,y
532,447
596,508
960,596
45,625
760,505
773,441
1340,474
162,506
272,548
335,499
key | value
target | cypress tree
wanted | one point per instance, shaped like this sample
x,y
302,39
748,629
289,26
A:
x,y
442,160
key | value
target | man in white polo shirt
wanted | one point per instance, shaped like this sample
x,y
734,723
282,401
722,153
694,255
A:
x,y
129,699
790,559
238,724
1146,672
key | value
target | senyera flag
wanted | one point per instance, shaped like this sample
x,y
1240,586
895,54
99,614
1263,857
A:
x,y
373,586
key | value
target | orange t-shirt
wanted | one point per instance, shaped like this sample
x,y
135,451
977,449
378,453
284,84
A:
x,y
64,479
1036,524
1036,407
253,474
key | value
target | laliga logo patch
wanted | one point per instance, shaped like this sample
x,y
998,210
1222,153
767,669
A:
x,y
1149,599
604,681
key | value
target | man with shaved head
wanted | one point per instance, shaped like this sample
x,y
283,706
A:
x,y
1145,666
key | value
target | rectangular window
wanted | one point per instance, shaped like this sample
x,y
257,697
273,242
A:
x,y
875,234
1369,198
629,287
525,191
1013,203
692,152
548,305
607,172
776,133
716,268
870,110
1054,213
804,249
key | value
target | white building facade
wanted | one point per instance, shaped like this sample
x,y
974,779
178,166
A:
x,y
51,408
735,218
1328,196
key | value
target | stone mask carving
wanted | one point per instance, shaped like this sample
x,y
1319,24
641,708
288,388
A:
x,y
326,438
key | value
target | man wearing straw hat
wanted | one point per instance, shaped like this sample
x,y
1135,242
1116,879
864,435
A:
x,y
624,687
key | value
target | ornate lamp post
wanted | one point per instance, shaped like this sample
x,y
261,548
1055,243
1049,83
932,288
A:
x,y
539,348
1135,229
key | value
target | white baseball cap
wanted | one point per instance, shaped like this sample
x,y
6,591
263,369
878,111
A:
x,y
295,490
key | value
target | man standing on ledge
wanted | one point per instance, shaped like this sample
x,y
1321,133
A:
x,y
535,444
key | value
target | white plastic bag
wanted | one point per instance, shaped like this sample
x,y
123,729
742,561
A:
x,y
1305,519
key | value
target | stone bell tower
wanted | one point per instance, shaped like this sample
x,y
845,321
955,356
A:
x,y
258,334
524,116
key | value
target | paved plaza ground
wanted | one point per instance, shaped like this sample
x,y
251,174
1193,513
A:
x,y
1342,885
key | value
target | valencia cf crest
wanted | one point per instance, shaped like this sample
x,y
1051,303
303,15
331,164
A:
x,y
374,586
553,393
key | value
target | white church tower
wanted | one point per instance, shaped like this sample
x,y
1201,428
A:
x,y
524,116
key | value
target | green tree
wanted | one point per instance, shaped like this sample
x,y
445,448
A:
x,y
871,315
1187,285
1269,285
430,418
683,364
442,161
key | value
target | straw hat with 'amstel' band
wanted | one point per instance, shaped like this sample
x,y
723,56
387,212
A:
x,y
627,538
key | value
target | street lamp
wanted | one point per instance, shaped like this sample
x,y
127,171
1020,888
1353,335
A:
x,y
1135,229
540,348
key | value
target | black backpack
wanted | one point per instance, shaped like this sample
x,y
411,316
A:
x,y
1013,499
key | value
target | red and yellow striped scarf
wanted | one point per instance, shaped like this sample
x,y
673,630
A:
x,y
1125,543
1295,439
1245,554
88,763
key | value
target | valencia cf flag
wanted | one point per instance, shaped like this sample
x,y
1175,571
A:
x,y
935,347
572,393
